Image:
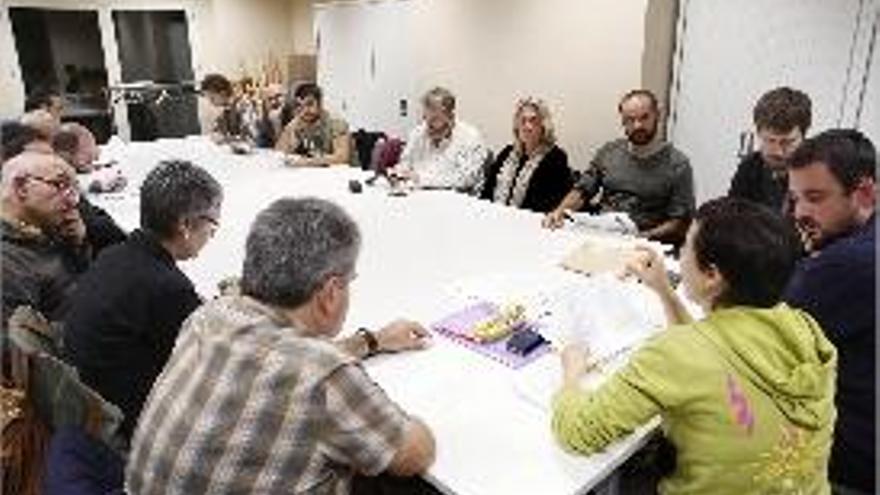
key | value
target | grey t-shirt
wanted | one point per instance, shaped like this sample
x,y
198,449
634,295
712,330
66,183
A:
x,y
651,189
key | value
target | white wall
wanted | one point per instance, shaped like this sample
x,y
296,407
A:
x,y
245,32
10,85
732,52
225,36
869,120
661,22
579,55
302,20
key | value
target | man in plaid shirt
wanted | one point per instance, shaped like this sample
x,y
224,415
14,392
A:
x,y
257,399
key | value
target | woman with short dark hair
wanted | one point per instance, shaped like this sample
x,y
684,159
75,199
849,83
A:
x,y
746,393
128,307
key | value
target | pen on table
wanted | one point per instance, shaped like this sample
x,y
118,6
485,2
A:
x,y
567,216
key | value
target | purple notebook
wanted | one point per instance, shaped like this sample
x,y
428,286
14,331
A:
x,y
457,327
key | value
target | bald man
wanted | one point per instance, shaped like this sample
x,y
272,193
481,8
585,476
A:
x,y
101,230
76,144
16,137
44,246
271,121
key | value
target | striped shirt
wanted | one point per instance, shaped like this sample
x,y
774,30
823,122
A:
x,y
249,404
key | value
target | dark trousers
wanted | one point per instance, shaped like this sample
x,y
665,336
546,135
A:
x,y
386,484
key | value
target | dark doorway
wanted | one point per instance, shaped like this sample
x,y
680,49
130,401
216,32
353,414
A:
x,y
61,50
157,75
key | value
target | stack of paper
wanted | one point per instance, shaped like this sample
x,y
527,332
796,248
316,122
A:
x,y
613,222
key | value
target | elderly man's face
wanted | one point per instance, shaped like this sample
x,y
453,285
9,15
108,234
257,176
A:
x,y
331,304
274,96
48,192
86,154
639,119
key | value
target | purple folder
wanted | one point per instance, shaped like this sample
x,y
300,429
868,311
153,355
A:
x,y
458,326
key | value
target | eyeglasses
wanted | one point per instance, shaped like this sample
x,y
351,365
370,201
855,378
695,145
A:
x,y
208,218
61,185
343,278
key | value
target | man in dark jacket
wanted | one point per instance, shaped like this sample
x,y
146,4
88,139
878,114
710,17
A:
x,y
833,188
43,234
782,117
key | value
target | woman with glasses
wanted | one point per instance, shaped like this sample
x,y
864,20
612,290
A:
x,y
532,173
128,307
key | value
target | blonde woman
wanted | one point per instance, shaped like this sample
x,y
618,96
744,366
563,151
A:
x,y
532,173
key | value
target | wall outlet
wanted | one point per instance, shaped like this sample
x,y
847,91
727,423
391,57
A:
x,y
403,106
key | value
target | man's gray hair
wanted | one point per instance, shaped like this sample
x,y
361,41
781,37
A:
x,y
293,247
441,96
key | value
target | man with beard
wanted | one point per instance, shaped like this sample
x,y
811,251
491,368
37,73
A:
x,y
314,138
643,176
270,122
833,189
782,117
443,151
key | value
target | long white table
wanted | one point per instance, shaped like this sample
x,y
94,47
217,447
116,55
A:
x,y
416,249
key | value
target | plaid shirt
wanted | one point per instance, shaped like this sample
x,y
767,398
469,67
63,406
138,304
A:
x,y
247,404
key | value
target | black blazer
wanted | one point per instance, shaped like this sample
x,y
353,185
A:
x,y
550,182
125,316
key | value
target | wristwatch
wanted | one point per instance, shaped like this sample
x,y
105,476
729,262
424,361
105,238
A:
x,y
370,340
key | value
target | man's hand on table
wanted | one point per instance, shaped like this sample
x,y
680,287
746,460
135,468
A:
x,y
402,335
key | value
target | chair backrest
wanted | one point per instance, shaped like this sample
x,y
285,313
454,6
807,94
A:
x,y
388,154
25,435
485,167
54,387
364,143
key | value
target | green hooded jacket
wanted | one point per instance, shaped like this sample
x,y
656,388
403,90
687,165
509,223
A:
x,y
746,396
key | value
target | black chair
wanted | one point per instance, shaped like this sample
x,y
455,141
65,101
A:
x,y
364,142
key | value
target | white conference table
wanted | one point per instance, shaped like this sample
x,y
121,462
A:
x,y
490,440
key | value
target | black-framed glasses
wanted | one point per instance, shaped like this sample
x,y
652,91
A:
x,y
344,278
61,185
211,220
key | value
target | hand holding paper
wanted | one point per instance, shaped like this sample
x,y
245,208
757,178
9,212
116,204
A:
x,y
647,265
575,363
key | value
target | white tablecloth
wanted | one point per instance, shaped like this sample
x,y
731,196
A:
x,y
418,254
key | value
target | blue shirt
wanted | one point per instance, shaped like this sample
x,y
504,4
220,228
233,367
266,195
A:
x,y
837,287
